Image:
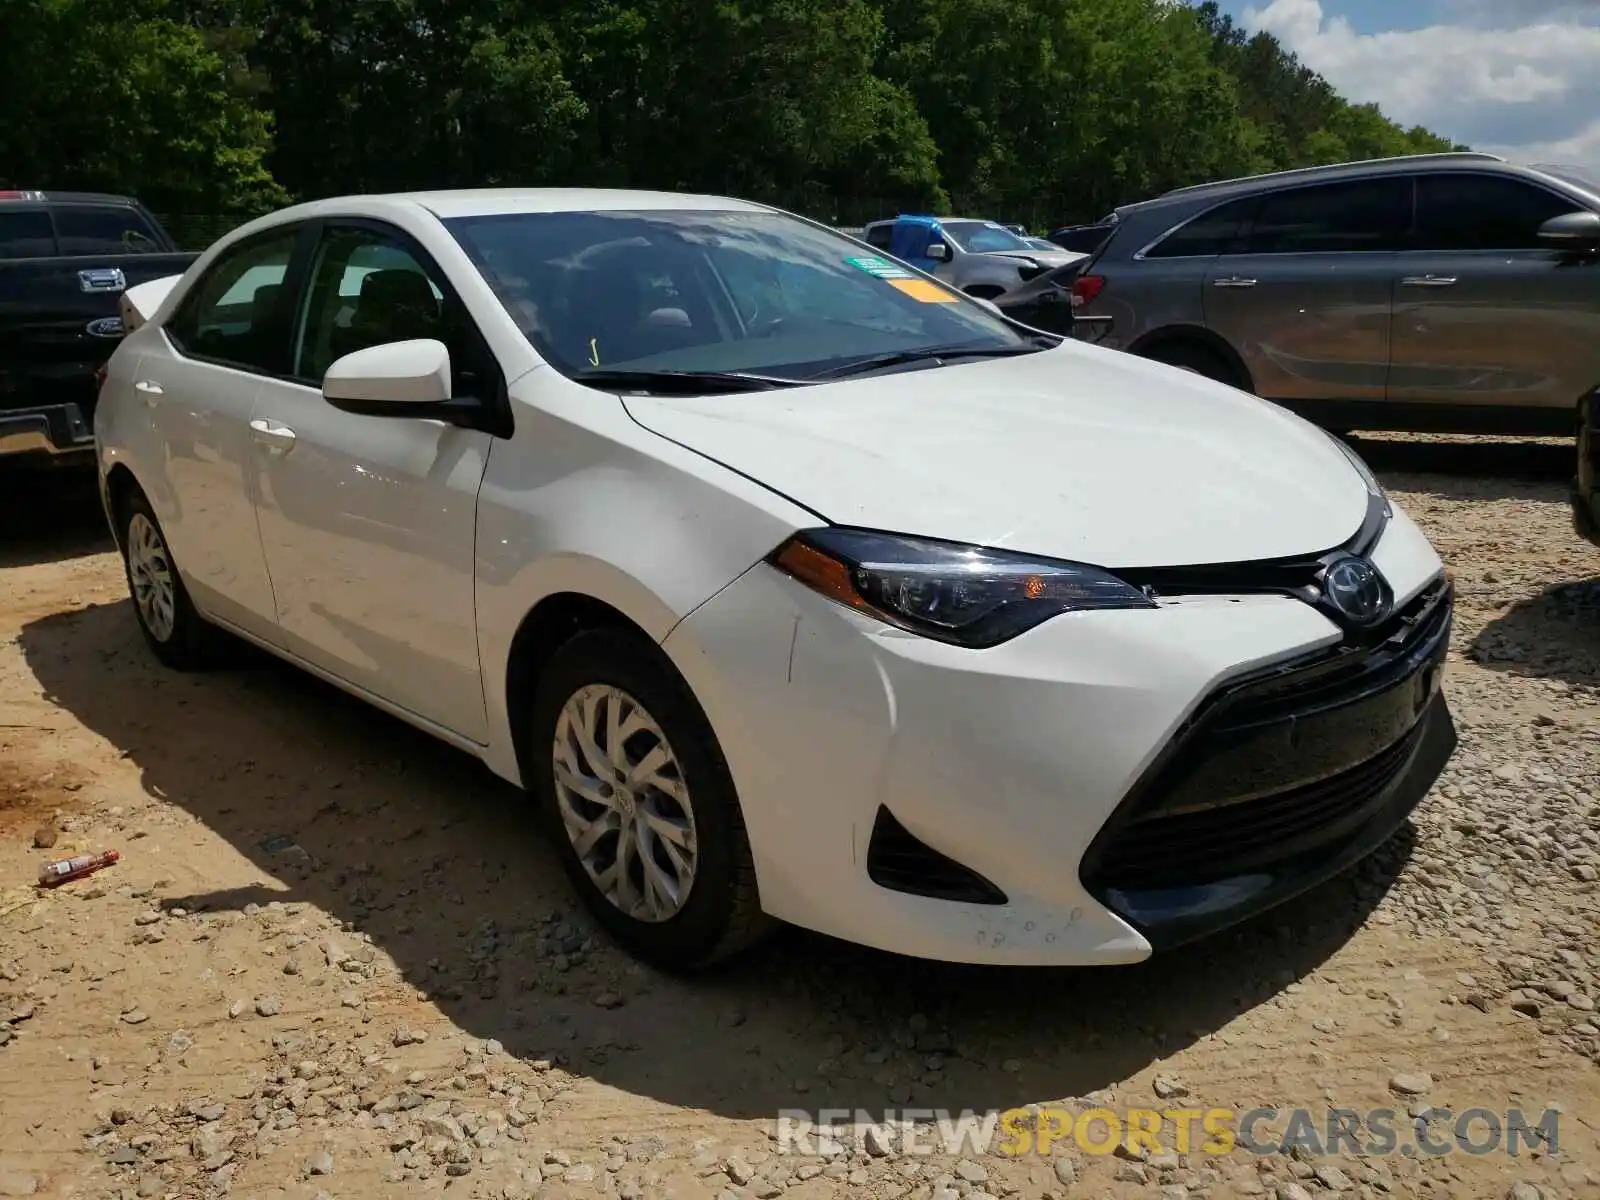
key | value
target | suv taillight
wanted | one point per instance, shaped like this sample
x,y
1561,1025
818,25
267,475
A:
x,y
1085,288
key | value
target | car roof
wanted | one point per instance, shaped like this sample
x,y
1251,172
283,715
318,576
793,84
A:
x,y
487,202
1332,172
39,196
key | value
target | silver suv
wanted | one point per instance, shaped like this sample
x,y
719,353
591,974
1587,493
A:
x,y
1447,292
982,258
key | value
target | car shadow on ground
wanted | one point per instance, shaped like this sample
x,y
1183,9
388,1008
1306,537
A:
x,y
421,848
1554,635
50,515
1470,470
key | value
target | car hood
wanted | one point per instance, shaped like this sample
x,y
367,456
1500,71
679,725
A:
x,y
1045,258
1076,452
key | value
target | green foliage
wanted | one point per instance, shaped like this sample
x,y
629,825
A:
x,y
121,95
1047,110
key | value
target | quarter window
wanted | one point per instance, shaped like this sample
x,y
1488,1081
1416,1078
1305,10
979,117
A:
x,y
236,312
1211,233
1483,212
1365,214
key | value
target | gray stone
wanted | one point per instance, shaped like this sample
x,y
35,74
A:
x,y
1411,1083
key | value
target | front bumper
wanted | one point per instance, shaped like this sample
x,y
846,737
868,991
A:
x,y
57,431
1001,771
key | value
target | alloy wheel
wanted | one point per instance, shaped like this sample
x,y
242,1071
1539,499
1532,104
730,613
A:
x,y
150,574
624,803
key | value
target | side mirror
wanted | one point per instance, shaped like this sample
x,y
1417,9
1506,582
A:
x,y
939,252
399,379
1573,231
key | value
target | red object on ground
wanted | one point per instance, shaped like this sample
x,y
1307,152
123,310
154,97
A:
x,y
65,869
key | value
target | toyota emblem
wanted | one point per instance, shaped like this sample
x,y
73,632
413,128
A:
x,y
1354,589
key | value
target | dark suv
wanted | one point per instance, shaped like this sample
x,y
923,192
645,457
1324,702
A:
x,y
1447,292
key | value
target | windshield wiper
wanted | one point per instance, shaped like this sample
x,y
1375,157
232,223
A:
x,y
684,383
929,354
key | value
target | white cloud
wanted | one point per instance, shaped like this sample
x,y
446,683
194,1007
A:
x,y
1512,77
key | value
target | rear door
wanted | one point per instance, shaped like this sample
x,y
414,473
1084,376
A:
x,y
1485,312
198,384
1304,297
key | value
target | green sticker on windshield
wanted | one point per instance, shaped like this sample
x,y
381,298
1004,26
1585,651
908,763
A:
x,y
879,268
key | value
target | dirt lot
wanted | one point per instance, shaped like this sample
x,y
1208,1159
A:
x,y
399,997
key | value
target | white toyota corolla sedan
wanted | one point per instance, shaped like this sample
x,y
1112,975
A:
x,y
791,584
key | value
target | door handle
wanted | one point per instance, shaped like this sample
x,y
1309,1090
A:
x,y
275,435
1428,281
1233,281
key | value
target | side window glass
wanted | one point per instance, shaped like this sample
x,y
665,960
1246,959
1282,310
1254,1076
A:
x,y
1209,234
235,313
106,230
1364,214
1483,212
26,233
880,236
367,290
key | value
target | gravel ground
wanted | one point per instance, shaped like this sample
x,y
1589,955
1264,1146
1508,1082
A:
x,y
335,963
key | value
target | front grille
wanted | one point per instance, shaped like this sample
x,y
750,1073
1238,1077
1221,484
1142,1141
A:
x,y
1284,761
898,861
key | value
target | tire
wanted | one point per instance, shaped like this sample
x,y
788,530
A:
x,y
1192,356
178,635
718,913
985,291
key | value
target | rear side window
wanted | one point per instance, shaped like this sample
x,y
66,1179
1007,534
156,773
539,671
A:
x,y
1483,212
1211,233
26,233
236,312
1364,214
86,230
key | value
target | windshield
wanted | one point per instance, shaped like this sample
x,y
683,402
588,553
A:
x,y
750,292
1586,178
980,237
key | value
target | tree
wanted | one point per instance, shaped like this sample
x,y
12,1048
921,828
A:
x,y
118,96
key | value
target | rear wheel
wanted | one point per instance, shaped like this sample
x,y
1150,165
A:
x,y
630,780
180,637
1195,357
985,291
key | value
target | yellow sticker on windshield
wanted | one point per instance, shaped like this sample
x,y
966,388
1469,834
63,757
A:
x,y
923,290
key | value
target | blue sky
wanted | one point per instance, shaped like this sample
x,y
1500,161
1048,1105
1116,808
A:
x,y
1517,77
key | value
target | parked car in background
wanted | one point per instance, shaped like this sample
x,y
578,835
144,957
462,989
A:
x,y
1045,301
1451,292
792,583
980,258
65,259
1586,481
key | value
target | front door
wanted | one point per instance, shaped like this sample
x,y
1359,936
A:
x,y
1304,295
1485,313
369,522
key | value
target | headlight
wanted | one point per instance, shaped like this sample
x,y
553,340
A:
x,y
1374,488
966,595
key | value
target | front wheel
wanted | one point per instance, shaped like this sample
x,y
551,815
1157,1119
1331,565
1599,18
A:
x,y
180,637
629,778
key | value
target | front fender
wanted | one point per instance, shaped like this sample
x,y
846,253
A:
x,y
583,500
